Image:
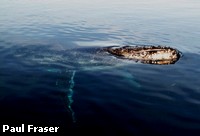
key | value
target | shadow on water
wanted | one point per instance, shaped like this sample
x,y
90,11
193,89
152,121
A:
x,y
38,83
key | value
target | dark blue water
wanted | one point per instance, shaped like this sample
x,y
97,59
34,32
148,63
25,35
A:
x,y
53,72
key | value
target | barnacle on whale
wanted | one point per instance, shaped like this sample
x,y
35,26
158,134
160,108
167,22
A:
x,y
146,54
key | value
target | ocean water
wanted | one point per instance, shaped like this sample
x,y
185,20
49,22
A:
x,y
54,73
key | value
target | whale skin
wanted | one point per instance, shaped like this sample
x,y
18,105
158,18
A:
x,y
160,55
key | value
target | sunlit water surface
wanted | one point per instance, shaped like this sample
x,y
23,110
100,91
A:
x,y
53,72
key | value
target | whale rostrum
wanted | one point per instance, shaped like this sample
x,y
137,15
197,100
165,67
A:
x,y
160,55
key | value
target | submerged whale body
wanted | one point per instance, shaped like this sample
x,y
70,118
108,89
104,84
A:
x,y
160,55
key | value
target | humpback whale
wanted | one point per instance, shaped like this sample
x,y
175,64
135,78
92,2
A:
x,y
160,55
67,63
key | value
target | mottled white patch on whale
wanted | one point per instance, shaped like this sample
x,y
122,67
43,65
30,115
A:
x,y
146,54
